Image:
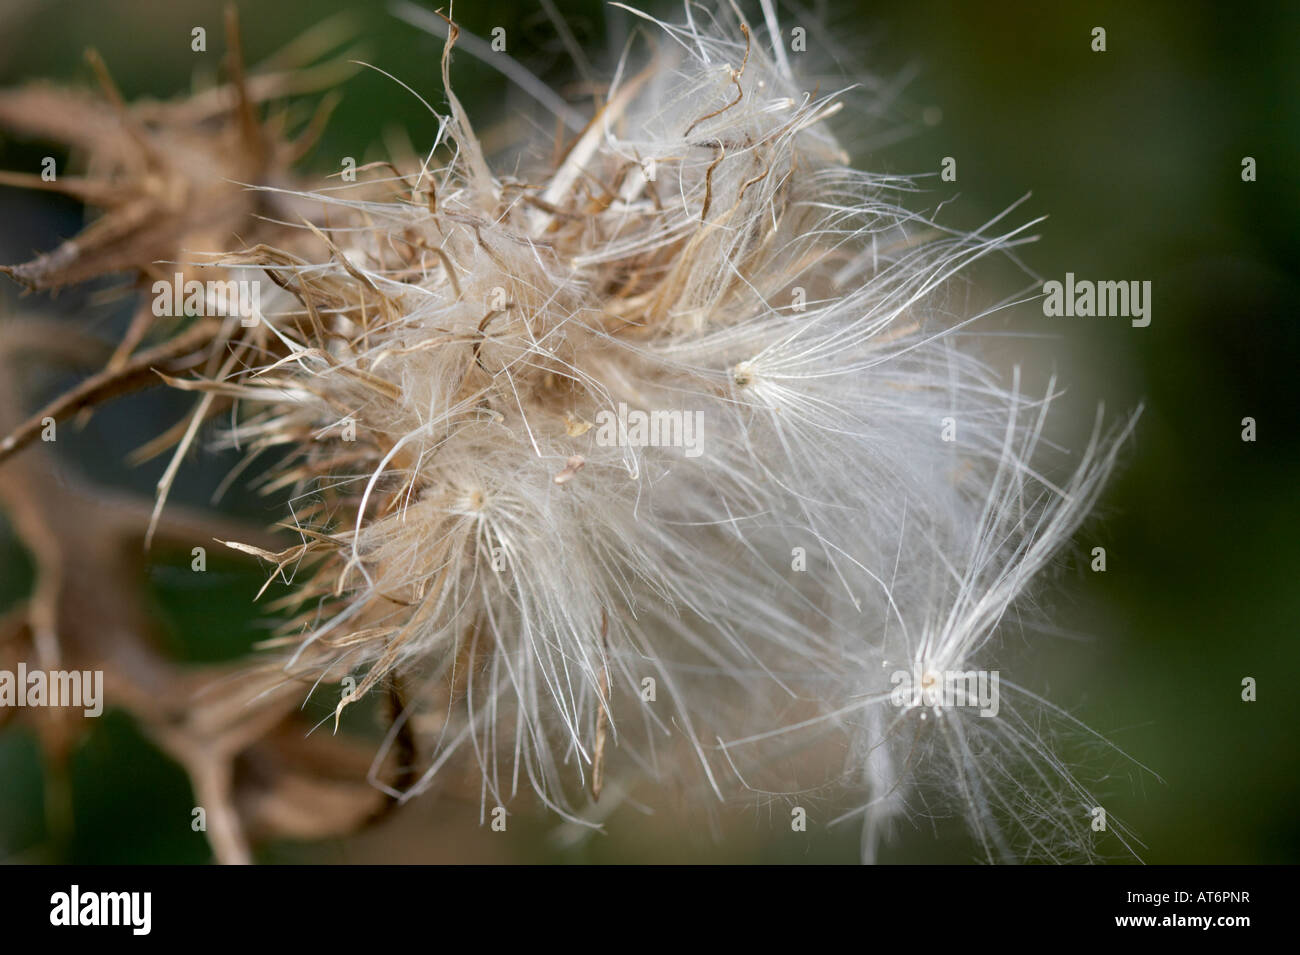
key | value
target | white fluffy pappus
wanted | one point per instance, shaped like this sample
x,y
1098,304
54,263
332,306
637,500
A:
x,y
552,437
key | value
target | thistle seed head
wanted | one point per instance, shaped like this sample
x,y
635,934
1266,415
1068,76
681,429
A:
x,y
485,387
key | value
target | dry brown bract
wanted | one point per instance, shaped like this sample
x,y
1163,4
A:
x,y
171,183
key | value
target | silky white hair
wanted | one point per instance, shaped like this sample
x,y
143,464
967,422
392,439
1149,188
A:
x,y
702,248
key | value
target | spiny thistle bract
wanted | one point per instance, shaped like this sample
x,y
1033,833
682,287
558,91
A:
x,y
551,439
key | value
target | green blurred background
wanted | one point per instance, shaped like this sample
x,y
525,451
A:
x,y
1135,156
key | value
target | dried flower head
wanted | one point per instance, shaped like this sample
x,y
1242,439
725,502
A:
x,y
662,451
